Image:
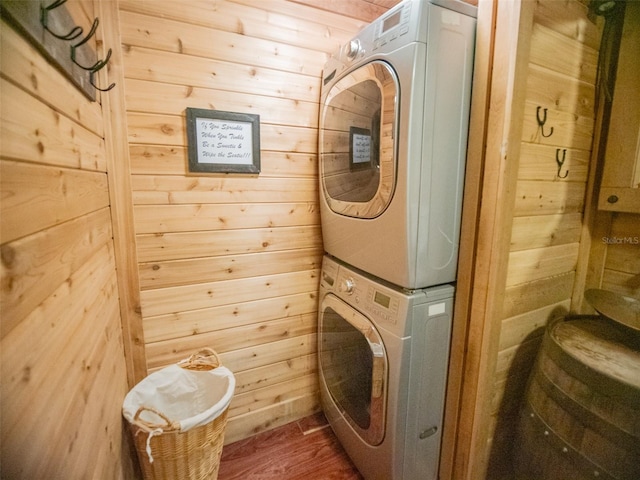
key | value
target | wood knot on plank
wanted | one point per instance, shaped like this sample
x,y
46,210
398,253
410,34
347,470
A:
x,y
8,255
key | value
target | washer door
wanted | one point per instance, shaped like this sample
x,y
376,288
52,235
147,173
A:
x,y
357,141
353,364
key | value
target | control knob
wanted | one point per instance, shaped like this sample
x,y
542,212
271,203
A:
x,y
352,49
348,286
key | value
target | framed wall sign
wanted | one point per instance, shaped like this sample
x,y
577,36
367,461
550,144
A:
x,y
359,148
223,142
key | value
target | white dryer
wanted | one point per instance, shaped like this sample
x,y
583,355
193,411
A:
x,y
383,356
393,136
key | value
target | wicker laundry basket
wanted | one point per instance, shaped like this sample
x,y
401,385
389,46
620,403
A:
x,y
175,449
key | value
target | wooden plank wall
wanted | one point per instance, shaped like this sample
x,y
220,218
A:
x,y
621,270
232,261
614,259
614,263
549,202
61,350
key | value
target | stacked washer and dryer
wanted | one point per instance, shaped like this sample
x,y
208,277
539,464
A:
x,y
393,136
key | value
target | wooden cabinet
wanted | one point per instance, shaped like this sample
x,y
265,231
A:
x,y
620,187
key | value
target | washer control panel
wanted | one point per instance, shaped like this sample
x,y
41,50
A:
x,y
372,298
382,305
369,296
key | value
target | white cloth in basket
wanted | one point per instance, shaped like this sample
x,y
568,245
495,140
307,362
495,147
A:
x,y
192,398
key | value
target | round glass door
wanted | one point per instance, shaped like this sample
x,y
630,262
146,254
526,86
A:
x,y
357,141
353,364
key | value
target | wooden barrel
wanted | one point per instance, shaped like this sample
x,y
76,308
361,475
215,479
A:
x,y
581,415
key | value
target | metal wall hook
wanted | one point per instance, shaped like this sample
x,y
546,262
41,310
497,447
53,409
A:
x,y
561,162
44,21
92,78
50,26
91,33
542,120
96,66
99,65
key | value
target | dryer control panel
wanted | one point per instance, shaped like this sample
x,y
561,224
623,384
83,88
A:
x,y
400,26
392,26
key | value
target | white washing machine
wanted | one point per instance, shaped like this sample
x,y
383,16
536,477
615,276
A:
x,y
393,137
383,357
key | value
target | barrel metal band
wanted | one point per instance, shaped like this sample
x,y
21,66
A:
x,y
586,417
579,461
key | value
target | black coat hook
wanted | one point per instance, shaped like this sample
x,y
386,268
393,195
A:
x,y
92,78
561,162
542,120
96,67
44,21
54,19
91,33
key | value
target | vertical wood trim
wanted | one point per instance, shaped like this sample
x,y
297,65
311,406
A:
x,y
595,224
118,169
468,239
514,21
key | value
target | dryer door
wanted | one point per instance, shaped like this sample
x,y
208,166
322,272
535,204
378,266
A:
x,y
357,141
353,364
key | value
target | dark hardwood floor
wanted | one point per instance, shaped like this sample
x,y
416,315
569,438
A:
x,y
306,449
